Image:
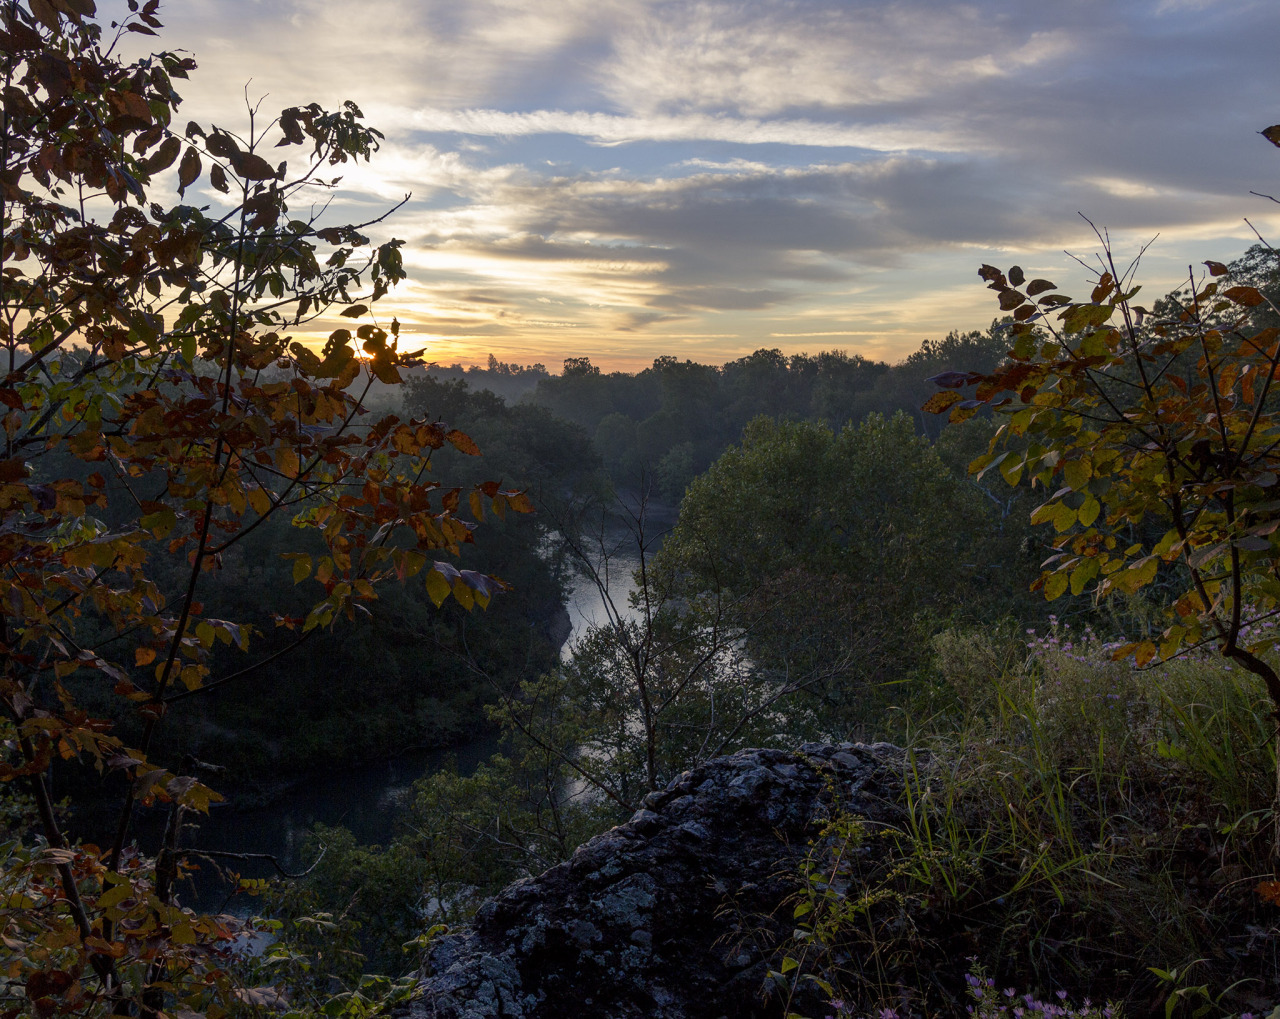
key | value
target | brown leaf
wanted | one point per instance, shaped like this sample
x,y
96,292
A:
x,y
1017,276
1217,268
1103,290
1272,134
463,442
188,170
129,104
164,156
218,178
1248,296
1040,286
355,311
45,13
221,144
1010,299
251,166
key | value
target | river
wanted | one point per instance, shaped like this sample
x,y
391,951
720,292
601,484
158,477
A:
x,y
368,799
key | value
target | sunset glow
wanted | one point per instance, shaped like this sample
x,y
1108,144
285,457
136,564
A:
x,y
624,179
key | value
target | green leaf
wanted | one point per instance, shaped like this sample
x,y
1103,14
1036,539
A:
x,y
1082,574
1077,474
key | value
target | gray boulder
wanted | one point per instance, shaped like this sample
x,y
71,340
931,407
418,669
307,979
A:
x,y
674,915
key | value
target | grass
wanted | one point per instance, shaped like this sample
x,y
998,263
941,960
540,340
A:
x,y
1077,826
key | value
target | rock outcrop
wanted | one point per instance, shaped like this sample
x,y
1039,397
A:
x,y
675,914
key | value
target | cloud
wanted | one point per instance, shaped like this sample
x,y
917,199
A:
x,y
706,174
614,129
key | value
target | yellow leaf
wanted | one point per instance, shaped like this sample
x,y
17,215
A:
x,y
1055,585
437,587
287,461
260,500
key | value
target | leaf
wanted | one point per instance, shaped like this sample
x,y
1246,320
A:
x,y
1144,653
287,461
1272,134
188,169
355,311
1247,296
1039,286
218,178
1217,268
144,656
1055,585
1077,474
1016,276
1078,318
164,156
251,166
437,587
1010,299
938,403
161,522
1269,891
48,17
1082,574
462,442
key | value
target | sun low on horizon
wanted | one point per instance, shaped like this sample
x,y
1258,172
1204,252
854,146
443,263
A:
x,y
628,179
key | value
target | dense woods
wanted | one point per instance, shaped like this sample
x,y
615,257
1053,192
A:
x,y
220,579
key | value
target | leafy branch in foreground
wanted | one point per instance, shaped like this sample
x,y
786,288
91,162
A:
x,y
155,413
1157,439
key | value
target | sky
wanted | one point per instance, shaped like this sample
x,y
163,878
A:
x,y
624,179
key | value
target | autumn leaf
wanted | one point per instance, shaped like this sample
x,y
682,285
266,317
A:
x,y
188,169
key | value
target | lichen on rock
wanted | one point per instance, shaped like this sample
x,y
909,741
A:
x,y
675,914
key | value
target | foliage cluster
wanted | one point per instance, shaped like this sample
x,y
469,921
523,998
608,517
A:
x,y
158,415
673,419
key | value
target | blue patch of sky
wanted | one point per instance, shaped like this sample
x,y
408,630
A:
x,y
570,155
